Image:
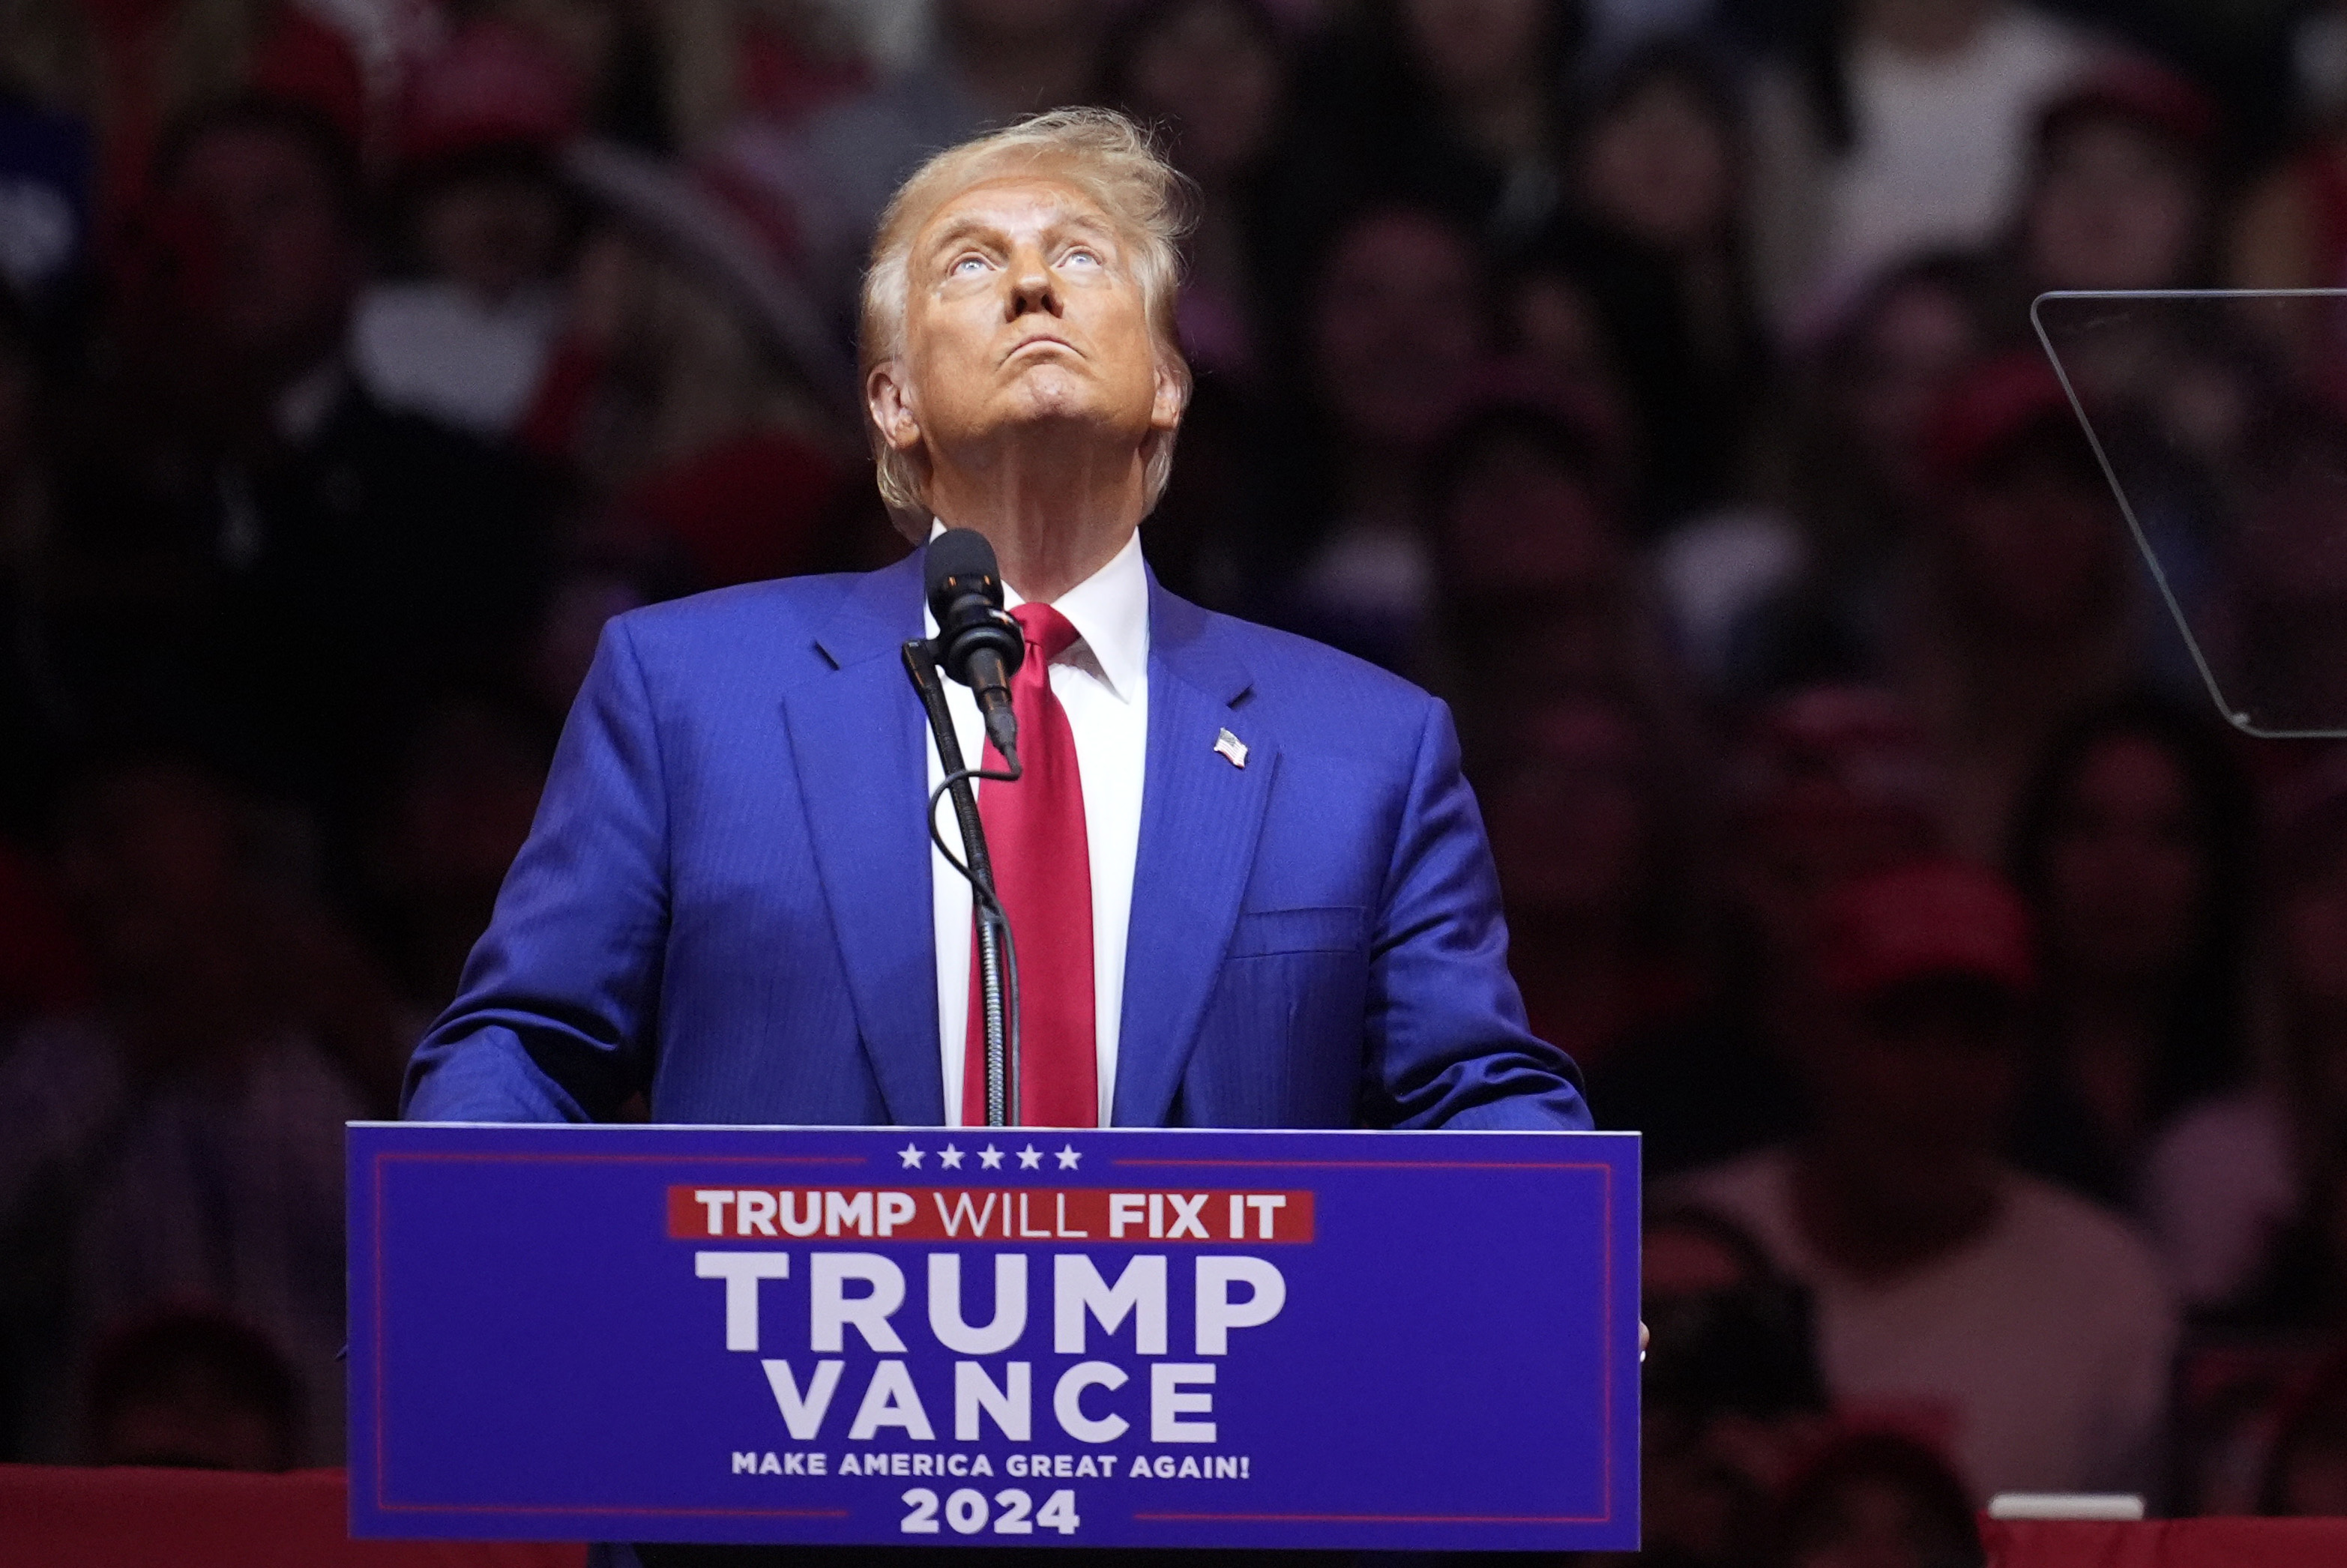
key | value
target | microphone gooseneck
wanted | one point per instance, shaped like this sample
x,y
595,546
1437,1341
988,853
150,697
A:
x,y
977,642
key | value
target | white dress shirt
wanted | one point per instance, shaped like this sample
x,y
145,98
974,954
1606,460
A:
x,y
1102,682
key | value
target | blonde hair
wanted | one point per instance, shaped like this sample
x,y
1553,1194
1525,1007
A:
x,y
1099,153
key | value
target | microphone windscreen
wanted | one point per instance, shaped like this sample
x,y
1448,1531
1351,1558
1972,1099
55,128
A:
x,y
960,553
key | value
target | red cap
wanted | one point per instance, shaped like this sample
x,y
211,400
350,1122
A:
x,y
303,60
2130,87
1988,407
1926,919
491,84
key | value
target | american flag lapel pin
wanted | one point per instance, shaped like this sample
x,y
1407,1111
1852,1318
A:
x,y
1232,747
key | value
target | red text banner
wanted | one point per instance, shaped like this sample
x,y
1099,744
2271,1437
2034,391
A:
x,y
1217,1215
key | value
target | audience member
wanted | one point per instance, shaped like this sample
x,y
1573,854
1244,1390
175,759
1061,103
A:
x,y
182,1138
2135,844
2274,624
2022,604
1212,73
130,71
1215,75
316,557
1732,1395
1550,323
192,1387
2005,601
462,794
2290,229
1597,852
2247,1195
782,62
1828,785
2306,1470
1895,126
1657,247
618,52
2118,193
1792,592
2026,1332
1458,104
694,398
480,217
1876,1499
1535,593
1399,327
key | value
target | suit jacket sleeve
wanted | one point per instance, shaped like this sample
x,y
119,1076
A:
x,y
556,1014
1449,1044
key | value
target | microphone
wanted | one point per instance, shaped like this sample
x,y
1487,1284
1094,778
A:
x,y
978,643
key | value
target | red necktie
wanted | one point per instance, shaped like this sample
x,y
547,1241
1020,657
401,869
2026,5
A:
x,y
1043,875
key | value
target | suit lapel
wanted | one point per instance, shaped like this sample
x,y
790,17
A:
x,y
1200,816
856,735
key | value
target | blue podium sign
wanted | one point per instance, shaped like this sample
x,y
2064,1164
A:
x,y
892,1336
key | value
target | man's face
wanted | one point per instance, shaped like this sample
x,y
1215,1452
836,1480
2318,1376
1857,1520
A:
x,y
1022,313
1919,1077
1813,833
1397,330
491,233
1571,822
1661,166
2034,546
1532,560
2116,207
1470,47
1207,67
1918,339
2125,880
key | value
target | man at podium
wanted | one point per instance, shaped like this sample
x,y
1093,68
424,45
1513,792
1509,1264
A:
x,y
1248,885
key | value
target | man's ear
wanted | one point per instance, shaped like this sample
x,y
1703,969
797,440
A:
x,y
1172,396
891,405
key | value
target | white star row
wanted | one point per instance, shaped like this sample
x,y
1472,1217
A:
x,y
989,1158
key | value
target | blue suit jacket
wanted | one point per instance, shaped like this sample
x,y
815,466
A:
x,y
725,899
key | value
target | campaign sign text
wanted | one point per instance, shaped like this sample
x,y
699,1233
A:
x,y
1401,1340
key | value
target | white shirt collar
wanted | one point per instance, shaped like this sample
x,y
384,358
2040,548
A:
x,y
1109,610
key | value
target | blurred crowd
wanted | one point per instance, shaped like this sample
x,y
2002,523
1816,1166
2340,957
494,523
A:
x,y
1653,379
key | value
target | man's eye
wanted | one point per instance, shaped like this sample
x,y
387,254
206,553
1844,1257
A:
x,y
968,264
1083,258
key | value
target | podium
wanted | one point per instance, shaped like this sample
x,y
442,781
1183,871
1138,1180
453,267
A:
x,y
1423,1341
